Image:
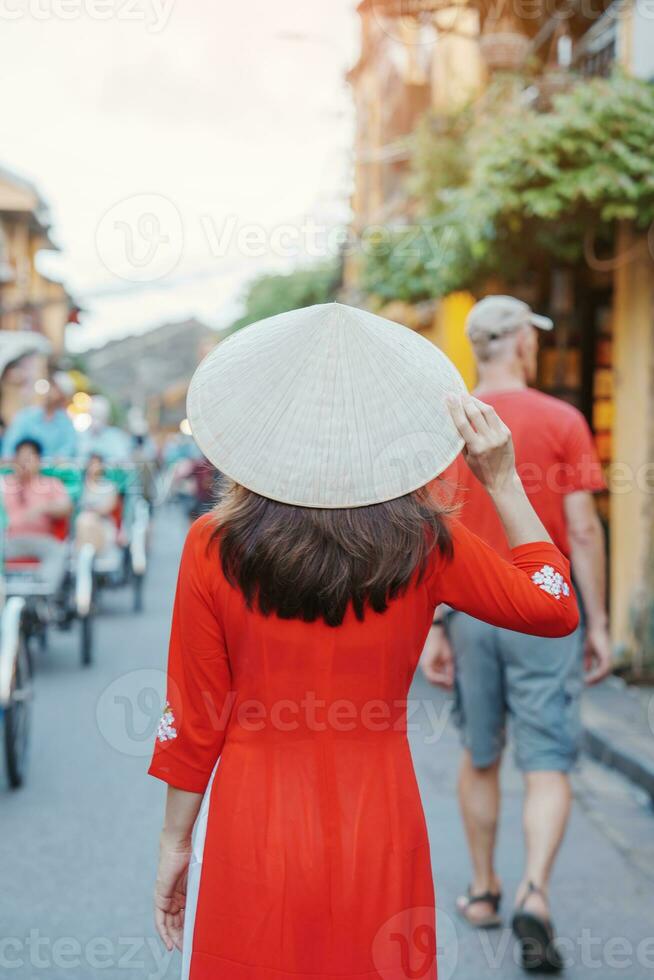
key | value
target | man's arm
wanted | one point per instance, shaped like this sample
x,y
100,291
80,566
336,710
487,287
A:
x,y
58,508
437,660
56,503
588,557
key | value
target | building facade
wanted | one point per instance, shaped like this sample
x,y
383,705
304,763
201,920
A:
x,y
29,300
426,53
31,303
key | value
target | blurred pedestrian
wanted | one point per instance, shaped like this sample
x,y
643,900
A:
x,y
34,504
536,682
302,606
48,424
147,468
95,522
110,442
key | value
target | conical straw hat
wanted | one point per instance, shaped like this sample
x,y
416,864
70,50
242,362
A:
x,y
328,406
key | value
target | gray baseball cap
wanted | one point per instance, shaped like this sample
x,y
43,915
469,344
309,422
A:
x,y
494,316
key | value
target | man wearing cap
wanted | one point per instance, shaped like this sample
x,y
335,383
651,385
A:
x,y
495,672
49,424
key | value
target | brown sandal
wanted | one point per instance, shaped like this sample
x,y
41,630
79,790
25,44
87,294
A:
x,y
492,921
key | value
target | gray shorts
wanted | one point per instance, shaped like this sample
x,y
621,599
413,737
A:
x,y
535,681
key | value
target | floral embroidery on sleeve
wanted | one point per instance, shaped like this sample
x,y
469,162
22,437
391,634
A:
x,y
551,581
166,730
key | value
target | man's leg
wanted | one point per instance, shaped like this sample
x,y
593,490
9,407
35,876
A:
x,y
54,558
548,799
50,553
88,529
480,713
479,799
544,683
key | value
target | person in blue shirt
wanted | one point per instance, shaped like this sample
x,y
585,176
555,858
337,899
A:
x,y
49,424
103,439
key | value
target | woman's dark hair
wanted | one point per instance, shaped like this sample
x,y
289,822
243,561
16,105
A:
x,y
307,563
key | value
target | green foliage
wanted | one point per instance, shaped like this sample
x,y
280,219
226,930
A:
x,y
440,163
416,262
269,295
520,188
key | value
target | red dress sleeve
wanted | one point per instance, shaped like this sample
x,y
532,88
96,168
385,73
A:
x,y
191,732
530,594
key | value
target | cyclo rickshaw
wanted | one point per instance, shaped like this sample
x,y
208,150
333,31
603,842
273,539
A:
x,y
72,600
88,571
15,687
15,666
125,562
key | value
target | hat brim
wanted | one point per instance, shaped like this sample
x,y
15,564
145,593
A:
x,y
263,490
542,322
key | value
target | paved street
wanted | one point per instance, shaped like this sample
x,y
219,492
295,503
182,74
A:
x,y
78,844
603,891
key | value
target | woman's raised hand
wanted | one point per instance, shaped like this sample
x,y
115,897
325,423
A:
x,y
488,447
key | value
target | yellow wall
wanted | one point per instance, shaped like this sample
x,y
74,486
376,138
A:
x,y
631,500
451,318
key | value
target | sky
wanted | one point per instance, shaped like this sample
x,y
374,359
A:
x,y
183,146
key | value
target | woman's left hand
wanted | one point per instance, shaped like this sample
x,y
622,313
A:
x,y
170,891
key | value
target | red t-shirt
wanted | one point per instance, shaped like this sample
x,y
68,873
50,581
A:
x,y
555,456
